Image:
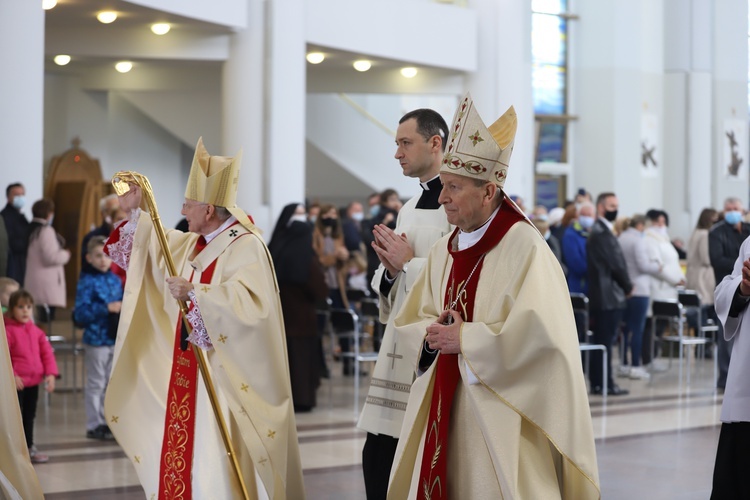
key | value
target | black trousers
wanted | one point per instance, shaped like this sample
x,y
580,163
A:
x,y
604,324
28,398
732,463
377,460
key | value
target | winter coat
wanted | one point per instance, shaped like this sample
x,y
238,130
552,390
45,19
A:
x,y
45,275
700,274
30,353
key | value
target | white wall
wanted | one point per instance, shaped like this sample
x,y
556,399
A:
x,y
120,136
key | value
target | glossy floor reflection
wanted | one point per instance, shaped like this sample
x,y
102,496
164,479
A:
x,y
659,442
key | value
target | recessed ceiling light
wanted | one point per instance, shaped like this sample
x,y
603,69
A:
x,y
107,16
160,28
48,4
62,59
316,57
362,65
124,66
409,72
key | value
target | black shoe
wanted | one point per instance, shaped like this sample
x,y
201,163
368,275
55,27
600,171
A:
x,y
95,434
612,390
106,433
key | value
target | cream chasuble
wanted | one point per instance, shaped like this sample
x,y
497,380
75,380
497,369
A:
x,y
242,315
385,405
520,427
17,476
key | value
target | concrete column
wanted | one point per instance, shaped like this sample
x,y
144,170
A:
x,y
264,108
22,97
503,78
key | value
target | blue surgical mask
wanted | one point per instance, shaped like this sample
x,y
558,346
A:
x,y
585,221
733,217
19,201
374,210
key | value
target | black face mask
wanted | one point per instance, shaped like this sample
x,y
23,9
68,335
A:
x,y
329,222
610,215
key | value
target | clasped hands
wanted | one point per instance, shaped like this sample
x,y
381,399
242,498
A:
x,y
444,334
393,250
745,283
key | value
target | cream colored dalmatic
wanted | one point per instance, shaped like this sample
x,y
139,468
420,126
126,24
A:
x,y
242,314
520,424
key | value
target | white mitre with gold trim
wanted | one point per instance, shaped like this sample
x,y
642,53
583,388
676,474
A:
x,y
214,180
476,151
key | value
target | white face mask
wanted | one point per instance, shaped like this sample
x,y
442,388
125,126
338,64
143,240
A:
x,y
298,218
358,216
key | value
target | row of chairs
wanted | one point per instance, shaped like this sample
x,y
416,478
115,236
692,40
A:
x,y
676,312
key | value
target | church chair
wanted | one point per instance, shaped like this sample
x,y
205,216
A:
x,y
345,322
580,304
370,310
674,312
691,302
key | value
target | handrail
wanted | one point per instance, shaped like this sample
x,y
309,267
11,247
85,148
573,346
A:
x,y
362,111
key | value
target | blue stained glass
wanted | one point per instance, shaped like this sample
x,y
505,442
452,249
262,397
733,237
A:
x,y
548,34
547,192
551,142
548,83
549,6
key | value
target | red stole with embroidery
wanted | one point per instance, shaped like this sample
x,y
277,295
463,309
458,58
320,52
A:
x,y
179,423
433,477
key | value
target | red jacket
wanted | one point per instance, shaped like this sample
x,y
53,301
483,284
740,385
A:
x,y
30,353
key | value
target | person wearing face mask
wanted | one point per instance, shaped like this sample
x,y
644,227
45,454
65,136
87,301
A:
x,y
17,228
352,226
574,249
301,287
45,274
724,241
609,287
107,205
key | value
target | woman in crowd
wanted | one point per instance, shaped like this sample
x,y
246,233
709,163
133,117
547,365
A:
x,y
301,287
640,269
700,273
664,283
45,275
328,242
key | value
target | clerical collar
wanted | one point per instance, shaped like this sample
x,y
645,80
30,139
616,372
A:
x,y
433,183
467,240
231,220
607,223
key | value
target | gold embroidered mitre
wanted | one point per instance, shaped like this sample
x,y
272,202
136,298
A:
x,y
476,151
213,179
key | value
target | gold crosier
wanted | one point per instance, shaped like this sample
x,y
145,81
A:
x,y
121,182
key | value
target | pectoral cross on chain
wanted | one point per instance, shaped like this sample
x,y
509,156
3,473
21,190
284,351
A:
x,y
394,356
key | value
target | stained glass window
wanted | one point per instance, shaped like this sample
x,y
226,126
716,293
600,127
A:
x,y
549,56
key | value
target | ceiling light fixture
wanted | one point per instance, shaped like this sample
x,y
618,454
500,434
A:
x,y
48,4
316,57
362,65
124,66
106,16
160,28
409,72
62,59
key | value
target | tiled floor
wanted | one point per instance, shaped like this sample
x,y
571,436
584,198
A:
x,y
657,443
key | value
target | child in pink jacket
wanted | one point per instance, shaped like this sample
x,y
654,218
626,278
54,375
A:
x,y
33,362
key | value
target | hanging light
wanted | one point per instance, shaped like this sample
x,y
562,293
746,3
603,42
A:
x,y
316,57
49,4
106,16
409,72
362,65
124,66
62,59
160,28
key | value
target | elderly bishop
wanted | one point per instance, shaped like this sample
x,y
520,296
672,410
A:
x,y
157,404
499,408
